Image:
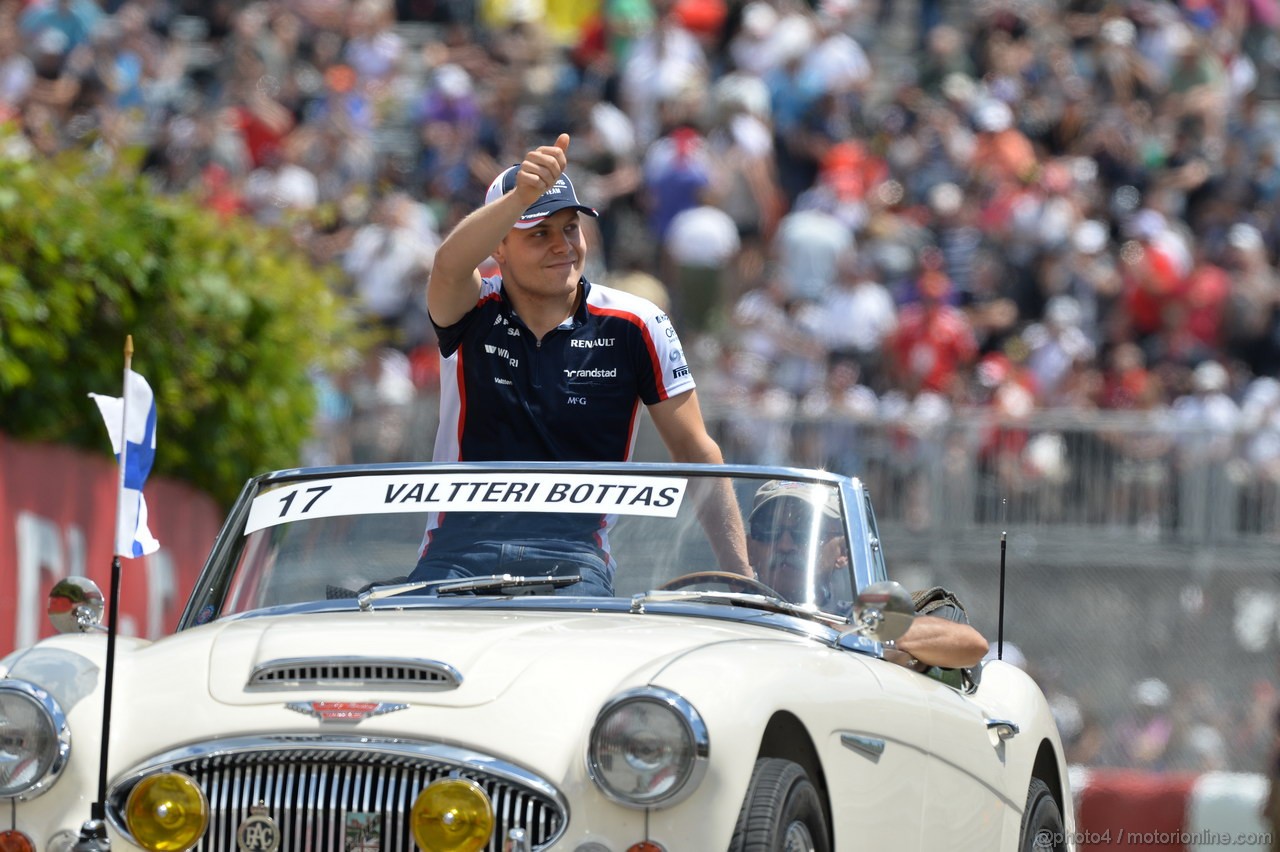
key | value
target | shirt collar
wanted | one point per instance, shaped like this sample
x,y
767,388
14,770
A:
x,y
577,319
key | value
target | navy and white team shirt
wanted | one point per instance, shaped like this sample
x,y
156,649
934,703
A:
x,y
573,396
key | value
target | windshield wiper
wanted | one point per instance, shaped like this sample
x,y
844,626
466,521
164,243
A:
x,y
469,584
743,599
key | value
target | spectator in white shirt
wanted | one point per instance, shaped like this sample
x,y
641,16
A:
x,y
857,313
1054,346
1207,419
701,245
807,246
388,260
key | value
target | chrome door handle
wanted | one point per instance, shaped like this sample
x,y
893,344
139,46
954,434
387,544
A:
x,y
1004,728
872,747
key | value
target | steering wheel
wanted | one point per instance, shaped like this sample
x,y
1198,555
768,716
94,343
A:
x,y
735,582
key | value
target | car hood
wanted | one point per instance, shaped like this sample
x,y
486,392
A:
x,y
490,652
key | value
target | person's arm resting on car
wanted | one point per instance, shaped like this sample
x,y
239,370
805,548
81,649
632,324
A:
x,y
935,641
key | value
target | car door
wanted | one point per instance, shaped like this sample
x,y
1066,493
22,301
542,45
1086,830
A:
x,y
964,799
876,758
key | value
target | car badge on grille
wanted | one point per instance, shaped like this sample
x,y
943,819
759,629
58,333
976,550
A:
x,y
344,711
363,833
258,833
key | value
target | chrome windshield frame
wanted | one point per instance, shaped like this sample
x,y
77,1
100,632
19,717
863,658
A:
x,y
210,590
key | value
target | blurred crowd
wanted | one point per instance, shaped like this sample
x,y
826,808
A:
x,y
850,207
1161,727
854,210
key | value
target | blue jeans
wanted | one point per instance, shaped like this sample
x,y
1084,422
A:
x,y
521,559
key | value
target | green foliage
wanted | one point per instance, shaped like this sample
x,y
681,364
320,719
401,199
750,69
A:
x,y
227,319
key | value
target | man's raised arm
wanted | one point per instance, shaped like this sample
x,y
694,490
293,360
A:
x,y
454,285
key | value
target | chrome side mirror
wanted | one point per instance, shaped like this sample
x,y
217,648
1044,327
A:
x,y
883,612
75,605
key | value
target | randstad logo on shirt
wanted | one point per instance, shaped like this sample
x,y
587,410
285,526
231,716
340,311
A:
x,y
591,374
592,344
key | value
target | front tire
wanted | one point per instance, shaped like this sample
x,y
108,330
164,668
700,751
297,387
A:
x,y
1042,829
781,813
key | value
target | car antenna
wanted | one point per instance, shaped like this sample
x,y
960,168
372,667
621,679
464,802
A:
x,y
93,832
1004,502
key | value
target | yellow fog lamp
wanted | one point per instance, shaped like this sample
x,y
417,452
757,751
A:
x,y
167,812
452,815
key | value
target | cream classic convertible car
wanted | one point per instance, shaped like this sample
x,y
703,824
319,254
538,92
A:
x,y
526,657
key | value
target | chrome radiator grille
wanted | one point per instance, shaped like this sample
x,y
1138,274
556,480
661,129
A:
x,y
311,784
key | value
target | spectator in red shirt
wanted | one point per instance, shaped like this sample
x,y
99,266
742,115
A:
x,y
1151,274
1207,289
1126,379
261,120
934,340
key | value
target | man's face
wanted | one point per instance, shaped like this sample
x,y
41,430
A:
x,y
785,537
547,259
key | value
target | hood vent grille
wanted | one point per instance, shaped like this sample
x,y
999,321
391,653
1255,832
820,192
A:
x,y
354,672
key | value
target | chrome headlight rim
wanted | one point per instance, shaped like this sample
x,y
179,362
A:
x,y
62,733
694,728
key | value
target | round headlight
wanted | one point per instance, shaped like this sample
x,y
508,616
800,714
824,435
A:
x,y
648,748
34,740
167,812
452,815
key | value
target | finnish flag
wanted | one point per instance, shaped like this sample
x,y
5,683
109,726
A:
x,y
132,536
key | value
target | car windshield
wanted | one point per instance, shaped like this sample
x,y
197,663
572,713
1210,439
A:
x,y
334,534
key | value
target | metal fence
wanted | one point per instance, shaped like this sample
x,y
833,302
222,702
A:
x,y
1135,548
1097,484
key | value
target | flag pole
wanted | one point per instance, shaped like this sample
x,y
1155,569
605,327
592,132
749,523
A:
x,y
113,608
93,834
